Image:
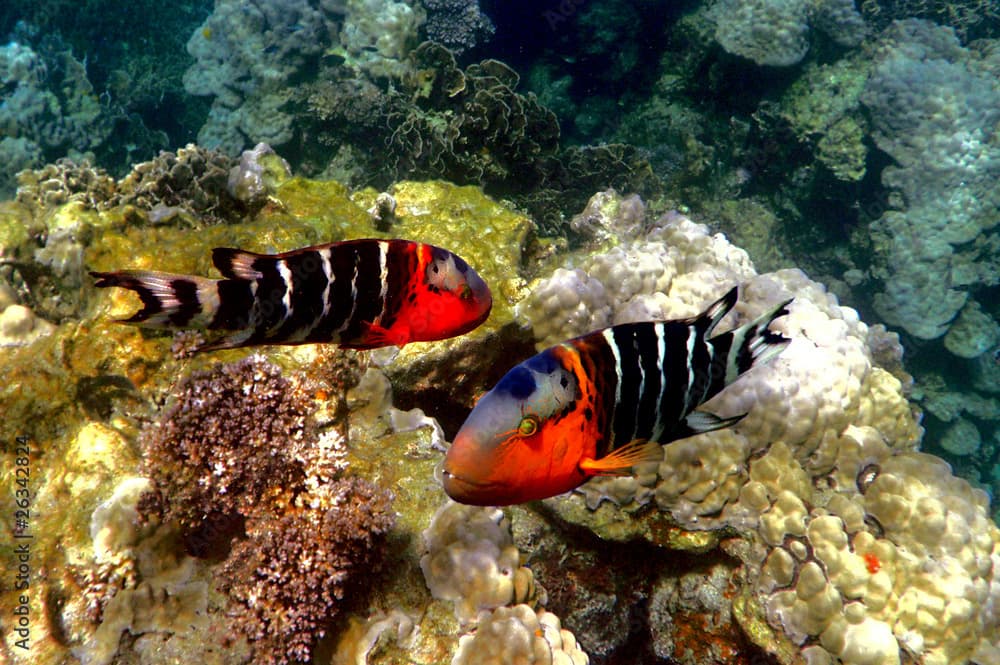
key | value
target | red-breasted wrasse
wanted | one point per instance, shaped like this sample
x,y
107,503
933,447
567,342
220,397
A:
x,y
361,294
600,404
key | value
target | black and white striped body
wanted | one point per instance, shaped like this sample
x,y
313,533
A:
x,y
659,372
358,293
601,403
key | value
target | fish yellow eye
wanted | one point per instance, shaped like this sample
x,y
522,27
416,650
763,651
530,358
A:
x,y
527,426
465,292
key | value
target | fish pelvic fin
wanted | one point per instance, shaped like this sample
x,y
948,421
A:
x,y
168,300
619,462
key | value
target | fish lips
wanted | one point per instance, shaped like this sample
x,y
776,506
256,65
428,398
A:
x,y
467,491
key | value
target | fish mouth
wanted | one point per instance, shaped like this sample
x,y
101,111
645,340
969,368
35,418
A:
x,y
469,492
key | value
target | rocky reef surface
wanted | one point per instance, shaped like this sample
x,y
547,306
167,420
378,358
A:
x,y
282,504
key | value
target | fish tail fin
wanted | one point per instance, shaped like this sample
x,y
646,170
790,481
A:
x,y
755,343
169,300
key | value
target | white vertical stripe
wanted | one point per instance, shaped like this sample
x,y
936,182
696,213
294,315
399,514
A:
x,y
354,300
732,369
610,339
383,275
660,355
286,300
326,255
691,339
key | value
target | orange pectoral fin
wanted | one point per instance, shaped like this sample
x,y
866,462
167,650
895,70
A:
x,y
621,460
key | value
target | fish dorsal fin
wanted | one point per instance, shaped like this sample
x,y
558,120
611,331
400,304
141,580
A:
x,y
718,310
236,263
619,462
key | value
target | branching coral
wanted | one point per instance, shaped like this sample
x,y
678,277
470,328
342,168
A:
x,y
292,572
234,435
238,455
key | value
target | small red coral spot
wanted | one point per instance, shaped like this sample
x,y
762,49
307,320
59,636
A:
x,y
872,563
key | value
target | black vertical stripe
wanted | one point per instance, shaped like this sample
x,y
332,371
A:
x,y
675,376
648,407
342,262
367,286
708,368
186,293
307,284
400,264
235,304
269,308
721,345
624,424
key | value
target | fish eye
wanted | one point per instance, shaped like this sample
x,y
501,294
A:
x,y
465,292
527,426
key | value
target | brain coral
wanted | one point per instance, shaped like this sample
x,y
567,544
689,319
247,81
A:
x,y
855,547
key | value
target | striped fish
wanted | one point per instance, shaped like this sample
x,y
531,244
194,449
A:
x,y
361,294
601,403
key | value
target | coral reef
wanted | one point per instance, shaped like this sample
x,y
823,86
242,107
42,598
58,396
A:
x,y
246,55
82,392
233,435
810,532
49,110
293,571
457,24
934,107
776,32
839,516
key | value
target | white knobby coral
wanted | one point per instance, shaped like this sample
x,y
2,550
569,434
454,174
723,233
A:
x,y
519,634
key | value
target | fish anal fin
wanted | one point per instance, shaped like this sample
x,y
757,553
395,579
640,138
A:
x,y
619,462
236,263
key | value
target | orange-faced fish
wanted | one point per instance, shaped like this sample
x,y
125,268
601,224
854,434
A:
x,y
601,403
361,294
